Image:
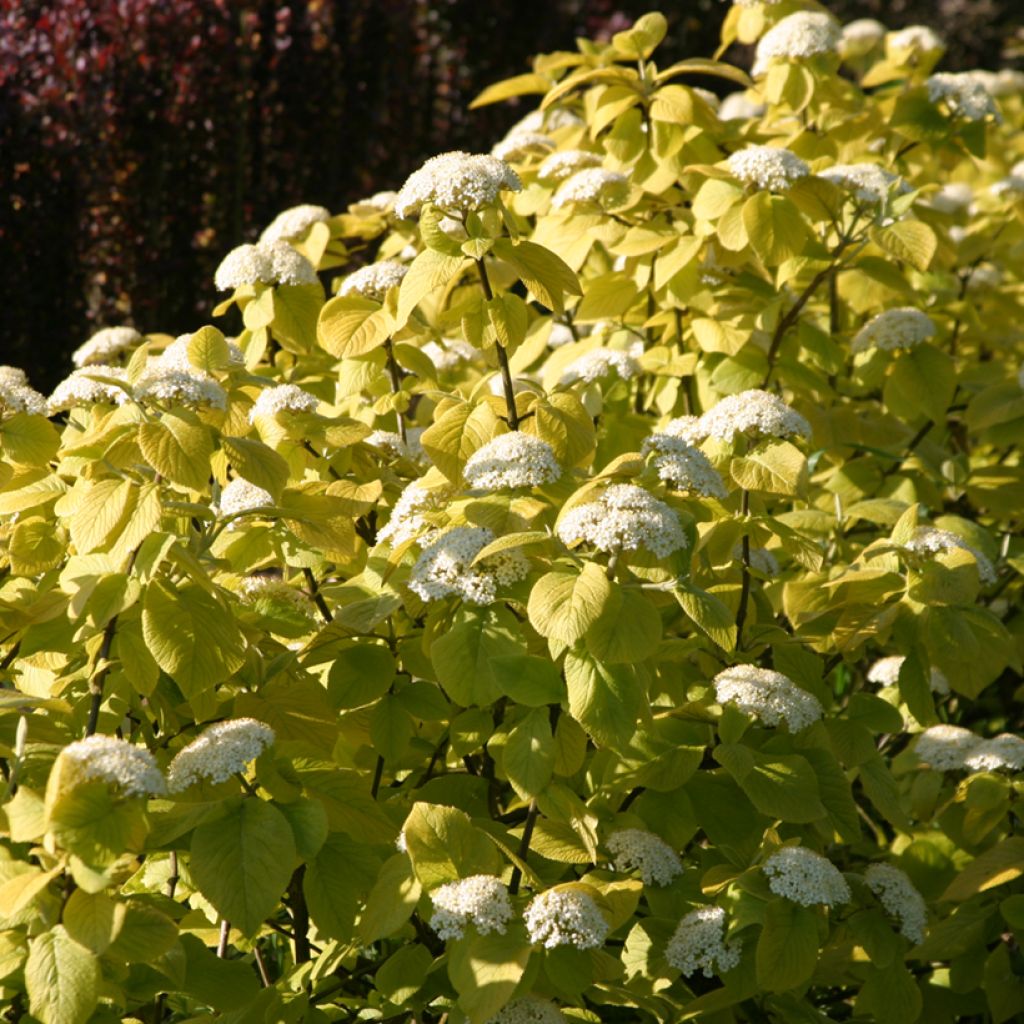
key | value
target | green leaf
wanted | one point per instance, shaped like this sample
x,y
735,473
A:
x,y
296,311
392,900
547,276
997,866
920,384
91,920
430,270
776,467
890,995
909,240
787,950
456,434
336,881
606,297
178,446
257,463
604,699
563,605
462,656
708,612
144,935
971,644
62,979
193,638
28,440
242,862
444,845
1004,986
780,786
102,513
350,326
775,227
627,631
485,970
641,39
527,679
528,756
518,85
220,983
402,975
360,674
88,820
208,350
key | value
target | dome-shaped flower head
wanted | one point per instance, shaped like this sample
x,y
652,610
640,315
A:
x,y
449,353
374,280
264,592
458,183
599,363
408,516
945,747
221,751
1002,751
264,263
868,183
805,877
106,759
81,388
739,106
913,40
17,397
769,696
241,496
771,168
962,94
797,36
886,672
445,567
623,518
860,35
633,849
897,894
596,186
683,467
193,388
927,540
106,344
565,917
904,327
294,222
282,398
566,163
754,413
952,197
523,146
698,944
481,900
512,460
529,1010
176,357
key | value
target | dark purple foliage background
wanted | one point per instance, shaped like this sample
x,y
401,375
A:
x,y
142,139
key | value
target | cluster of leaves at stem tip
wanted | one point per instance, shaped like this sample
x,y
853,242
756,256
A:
x,y
586,589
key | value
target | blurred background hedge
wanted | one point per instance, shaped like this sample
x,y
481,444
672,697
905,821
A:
x,y
140,140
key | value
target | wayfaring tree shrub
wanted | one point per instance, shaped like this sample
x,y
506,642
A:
x,y
586,589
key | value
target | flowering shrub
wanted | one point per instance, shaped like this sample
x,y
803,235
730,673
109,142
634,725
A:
x,y
603,605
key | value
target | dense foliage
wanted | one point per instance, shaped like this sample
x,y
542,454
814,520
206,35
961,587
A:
x,y
587,588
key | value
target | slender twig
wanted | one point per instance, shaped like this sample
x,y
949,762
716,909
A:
x,y
300,915
524,846
378,773
396,384
264,977
173,877
222,944
318,598
506,373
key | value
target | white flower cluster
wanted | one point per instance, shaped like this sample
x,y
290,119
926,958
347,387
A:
x,y
80,388
282,398
767,167
565,917
897,894
456,182
220,752
862,32
529,1010
512,460
903,327
754,413
564,164
927,540
591,185
919,38
886,672
963,94
480,900
378,203
551,120
687,428
256,590
599,363
407,517
239,495
769,696
16,396
738,106
623,518
106,344
374,280
953,197
523,145
175,356
445,567
761,560
698,944
294,222
948,748
633,849
106,759
263,263
684,467
754,3
449,354
804,34
805,877
160,383
869,183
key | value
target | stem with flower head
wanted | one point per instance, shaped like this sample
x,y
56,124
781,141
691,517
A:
x,y
506,373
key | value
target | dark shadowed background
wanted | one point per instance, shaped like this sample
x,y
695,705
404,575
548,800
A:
x,y
140,140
